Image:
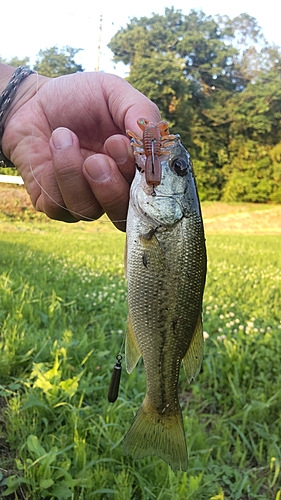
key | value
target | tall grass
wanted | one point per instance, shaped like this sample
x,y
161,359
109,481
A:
x,y
62,321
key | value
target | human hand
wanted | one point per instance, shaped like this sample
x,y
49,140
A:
x,y
68,141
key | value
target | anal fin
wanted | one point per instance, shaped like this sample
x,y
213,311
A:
x,y
132,350
193,359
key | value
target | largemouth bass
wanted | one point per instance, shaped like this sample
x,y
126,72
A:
x,y
166,270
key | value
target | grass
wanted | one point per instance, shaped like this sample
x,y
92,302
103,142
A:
x,y
62,323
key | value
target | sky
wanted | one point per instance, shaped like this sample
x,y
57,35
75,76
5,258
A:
x,y
37,25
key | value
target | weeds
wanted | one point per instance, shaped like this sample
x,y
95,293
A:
x,y
62,322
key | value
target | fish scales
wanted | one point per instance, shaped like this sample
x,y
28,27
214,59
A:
x,y
166,269
163,308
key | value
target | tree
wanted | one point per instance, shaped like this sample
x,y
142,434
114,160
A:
x,y
218,82
55,62
15,61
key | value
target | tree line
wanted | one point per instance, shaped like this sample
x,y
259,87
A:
x,y
217,81
52,62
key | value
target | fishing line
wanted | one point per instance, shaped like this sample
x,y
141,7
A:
x,y
37,181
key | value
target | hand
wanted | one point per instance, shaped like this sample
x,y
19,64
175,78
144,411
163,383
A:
x,y
68,141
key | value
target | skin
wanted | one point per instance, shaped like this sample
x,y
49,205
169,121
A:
x,y
71,132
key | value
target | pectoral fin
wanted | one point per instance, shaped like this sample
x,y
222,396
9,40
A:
x,y
132,350
193,358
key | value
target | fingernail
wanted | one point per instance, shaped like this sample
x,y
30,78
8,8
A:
x,y
118,150
98,168
62,138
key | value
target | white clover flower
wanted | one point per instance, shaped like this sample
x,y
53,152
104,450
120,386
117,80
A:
x,y
250,324
205,335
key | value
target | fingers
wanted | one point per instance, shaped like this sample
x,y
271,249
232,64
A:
x,y
73,192
119,149
126,104
75,188
109,186
67,195
50,200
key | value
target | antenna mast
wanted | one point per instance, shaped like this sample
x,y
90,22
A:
x,y
99,45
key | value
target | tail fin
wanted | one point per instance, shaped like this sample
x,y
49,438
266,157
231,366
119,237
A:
x,y
163,435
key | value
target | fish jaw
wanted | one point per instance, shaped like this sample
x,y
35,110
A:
x,y
162,209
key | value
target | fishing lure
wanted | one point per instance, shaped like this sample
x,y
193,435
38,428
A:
x,y
151,146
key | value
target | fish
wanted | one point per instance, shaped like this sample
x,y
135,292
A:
x,y
165,262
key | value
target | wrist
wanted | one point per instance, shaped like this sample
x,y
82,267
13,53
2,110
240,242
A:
x,y
17,87
6,72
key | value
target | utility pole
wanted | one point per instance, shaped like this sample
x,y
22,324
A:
x,y
99,45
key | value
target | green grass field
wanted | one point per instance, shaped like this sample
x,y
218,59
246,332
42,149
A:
x,y
62,323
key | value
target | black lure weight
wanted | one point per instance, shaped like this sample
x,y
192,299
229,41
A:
x,y
115,380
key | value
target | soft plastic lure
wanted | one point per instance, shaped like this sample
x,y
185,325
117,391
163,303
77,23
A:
x,y
151,146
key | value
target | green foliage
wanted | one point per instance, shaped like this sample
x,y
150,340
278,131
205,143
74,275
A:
x,y
51,62
15,61
62,322
8,170
54,62
217,81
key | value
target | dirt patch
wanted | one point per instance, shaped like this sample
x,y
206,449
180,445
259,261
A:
x,y
14,198
15,204
243,219
232,218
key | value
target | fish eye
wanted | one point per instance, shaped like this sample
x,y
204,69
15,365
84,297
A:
x,y
179,166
